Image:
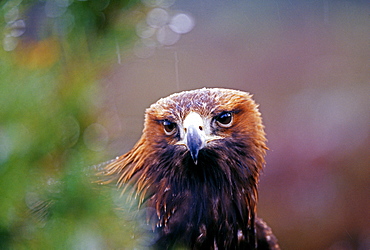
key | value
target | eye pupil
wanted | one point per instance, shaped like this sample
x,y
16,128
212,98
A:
x,y
169,127
225,119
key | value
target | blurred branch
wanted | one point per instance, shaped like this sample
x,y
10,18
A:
x,y
52,57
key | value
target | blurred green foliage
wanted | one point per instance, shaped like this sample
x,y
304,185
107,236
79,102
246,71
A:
x,y
49,95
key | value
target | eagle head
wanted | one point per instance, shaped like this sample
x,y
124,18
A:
x,y
197,164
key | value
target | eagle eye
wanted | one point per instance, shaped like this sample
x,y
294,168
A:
x,y
169,127
225,119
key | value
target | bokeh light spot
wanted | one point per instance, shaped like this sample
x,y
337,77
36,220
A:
x,y
161,26
11,15
64,24
9,43
181,23
144,31
159,3
53,9
71,131
16,28
157,18
166,36
96,137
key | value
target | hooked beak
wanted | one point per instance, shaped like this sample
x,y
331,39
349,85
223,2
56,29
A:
x,y
195,135
194,141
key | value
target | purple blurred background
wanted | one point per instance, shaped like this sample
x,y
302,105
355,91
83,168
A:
x,y
307,64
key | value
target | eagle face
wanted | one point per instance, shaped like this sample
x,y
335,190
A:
x,y
197,167
204,119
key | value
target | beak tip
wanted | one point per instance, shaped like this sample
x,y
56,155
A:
x,y
194,157
195,160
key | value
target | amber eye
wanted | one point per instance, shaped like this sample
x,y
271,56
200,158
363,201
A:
x,y
169,127
225,119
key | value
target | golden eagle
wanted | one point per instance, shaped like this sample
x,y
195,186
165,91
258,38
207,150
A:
x,y
197,166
